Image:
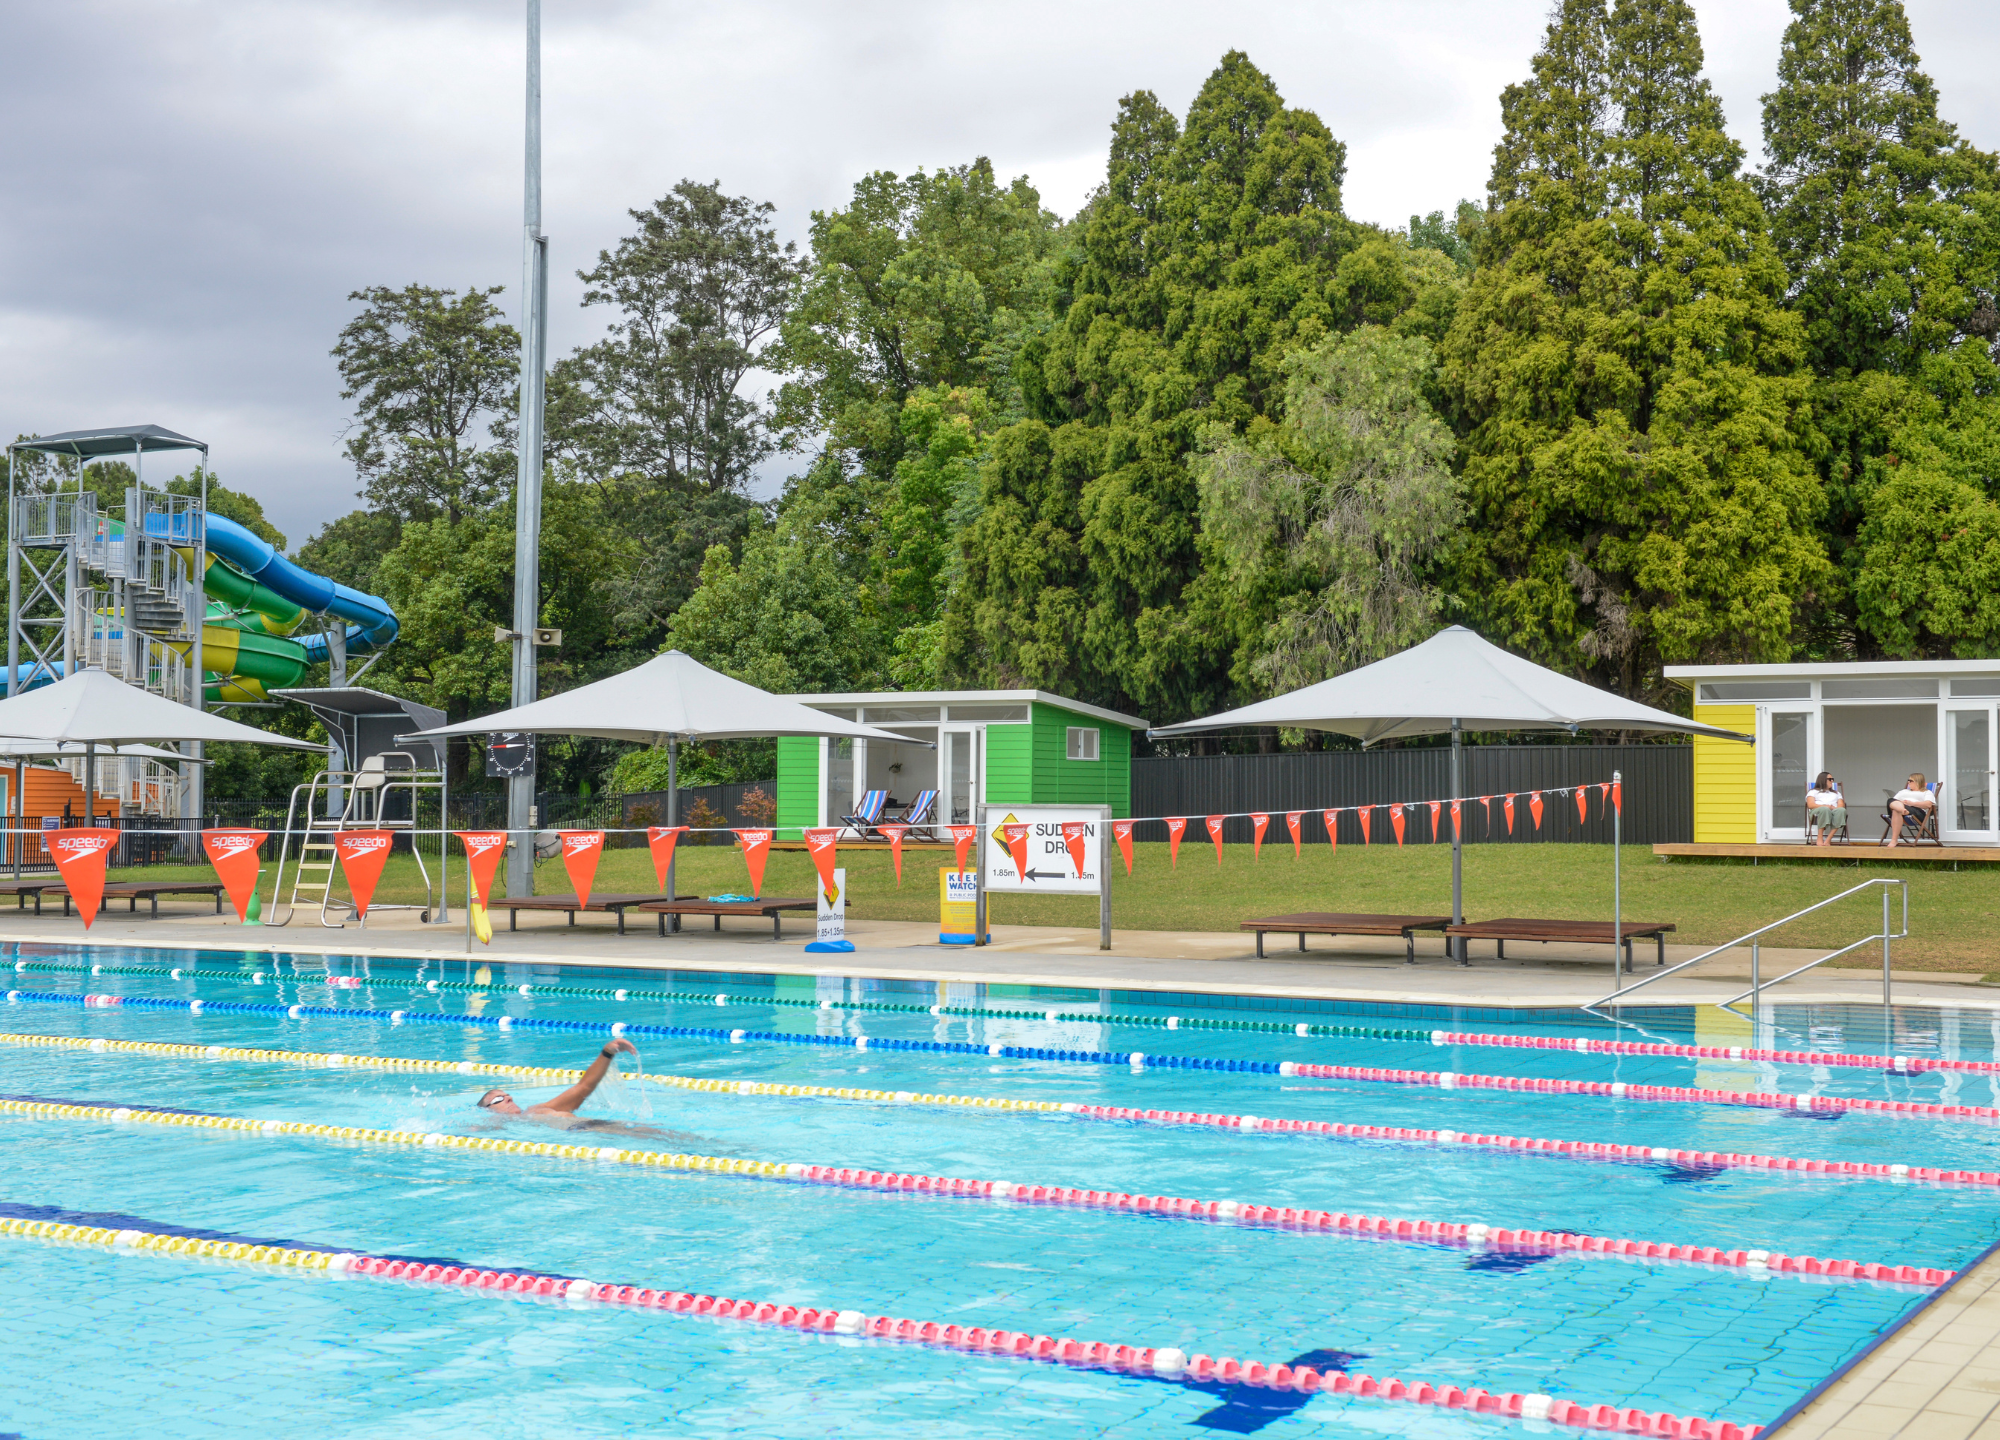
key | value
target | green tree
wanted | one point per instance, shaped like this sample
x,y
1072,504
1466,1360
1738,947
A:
x,y
1327,527
1209,255
784,619
1629,377
424,367
350,550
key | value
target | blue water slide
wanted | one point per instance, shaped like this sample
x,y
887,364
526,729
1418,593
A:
x,y
371,622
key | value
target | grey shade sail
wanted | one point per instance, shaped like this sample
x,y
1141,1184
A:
x,y
367,722
92,707
117,440
670,697
76,750
1452,677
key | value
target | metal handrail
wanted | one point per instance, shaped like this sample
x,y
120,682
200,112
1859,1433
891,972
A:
x,y
1885,937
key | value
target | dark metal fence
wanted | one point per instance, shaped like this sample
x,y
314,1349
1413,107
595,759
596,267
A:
x,y
1658,791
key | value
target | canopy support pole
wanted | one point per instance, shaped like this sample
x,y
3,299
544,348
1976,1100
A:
x,y
90,783
1617,898
673,813
1457,943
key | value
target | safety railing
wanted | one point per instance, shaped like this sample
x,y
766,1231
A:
x,y
1757,983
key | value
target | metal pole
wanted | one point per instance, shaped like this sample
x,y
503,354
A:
x,y
198,781
1457,944
20,814
1104,880
13,578
528,472
1617,892
979,876
1885,937
673,818
90,792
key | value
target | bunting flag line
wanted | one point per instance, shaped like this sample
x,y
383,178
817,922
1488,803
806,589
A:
x,y
362,854
1364,812
1332,818
1535,808
1292,819
896,834
1073,832
1122,829
1176,828
483,849
756,850
962,837
581,850
1396,822
1487,801
1016,837
1214,823
233,853
661,839
1437,808
1508,806
1259,822
820,845
1581,814
80,857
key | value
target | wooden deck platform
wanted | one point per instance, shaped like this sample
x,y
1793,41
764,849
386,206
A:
x,y
1866,852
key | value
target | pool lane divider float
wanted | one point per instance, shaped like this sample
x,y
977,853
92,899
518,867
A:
x,y
1892,1064
1165,1364
1447,1234
1561,1149
1135,1059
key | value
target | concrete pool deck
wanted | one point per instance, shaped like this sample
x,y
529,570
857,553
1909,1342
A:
x,y
1218,962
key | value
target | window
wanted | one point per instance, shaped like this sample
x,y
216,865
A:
x,y
1711,693
1083,742
1887,688
884,714
1986,686
990,714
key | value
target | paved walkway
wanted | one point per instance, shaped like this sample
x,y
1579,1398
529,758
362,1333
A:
x,y
1938,1378
1205,962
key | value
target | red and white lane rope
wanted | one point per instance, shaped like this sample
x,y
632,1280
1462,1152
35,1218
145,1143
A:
x,y
1892,1064
1161,1363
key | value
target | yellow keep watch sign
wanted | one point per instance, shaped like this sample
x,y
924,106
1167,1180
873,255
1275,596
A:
x,y
958,907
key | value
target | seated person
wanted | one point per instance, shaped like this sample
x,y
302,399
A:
x,y
1908,806
1826,808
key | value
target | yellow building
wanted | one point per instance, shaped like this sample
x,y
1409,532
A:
x,y
1871,724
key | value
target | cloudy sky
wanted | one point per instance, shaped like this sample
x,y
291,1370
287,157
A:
x,y
193,187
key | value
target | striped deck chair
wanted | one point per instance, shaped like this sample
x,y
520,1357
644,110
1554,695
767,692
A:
x,y
868,814
921,815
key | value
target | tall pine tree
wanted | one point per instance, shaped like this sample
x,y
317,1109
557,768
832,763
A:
x,y
1629,375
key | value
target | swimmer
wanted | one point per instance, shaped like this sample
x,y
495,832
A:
x,y
560,1113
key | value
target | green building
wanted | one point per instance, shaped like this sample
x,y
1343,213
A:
x,y
992,747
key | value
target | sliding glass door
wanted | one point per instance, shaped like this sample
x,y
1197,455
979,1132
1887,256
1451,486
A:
x,y
1787,747
1965,799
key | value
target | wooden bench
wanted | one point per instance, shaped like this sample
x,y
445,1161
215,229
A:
x,y
1575,932
569,905
1324,923
151,890
25,890
772,906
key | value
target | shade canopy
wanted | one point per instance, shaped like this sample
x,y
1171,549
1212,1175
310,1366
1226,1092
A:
x,y
1453,676
117,440
74,750
92,707
670,697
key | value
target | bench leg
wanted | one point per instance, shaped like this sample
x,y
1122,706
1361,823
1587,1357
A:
x,y
1628,955
621,919
572,918
1499,949
1302,942
777,925
1260,944
1661,941
513,919
718,924
1409,947
156,906
218,902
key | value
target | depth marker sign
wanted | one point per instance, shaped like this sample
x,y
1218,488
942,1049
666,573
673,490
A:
x,y
1045,850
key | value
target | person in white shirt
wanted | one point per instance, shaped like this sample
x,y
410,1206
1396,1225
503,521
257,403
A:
x,y
1826,807
1913,797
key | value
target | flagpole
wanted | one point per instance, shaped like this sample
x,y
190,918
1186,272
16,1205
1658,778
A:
x,y
1617,916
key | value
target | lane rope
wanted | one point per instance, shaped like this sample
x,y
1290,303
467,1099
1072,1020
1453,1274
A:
x,y
1562,1149
1136,1059
1478,1237
1167,1364
1892,1064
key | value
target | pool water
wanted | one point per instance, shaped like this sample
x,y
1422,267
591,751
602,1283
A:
x,y
211,1350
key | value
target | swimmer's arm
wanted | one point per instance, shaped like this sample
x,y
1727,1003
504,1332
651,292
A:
x,y
568,1102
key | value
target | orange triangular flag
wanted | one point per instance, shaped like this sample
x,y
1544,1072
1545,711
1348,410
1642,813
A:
x,y
1292,819
661,839
1365,812
80,857
362,853
483,849
1332,819
1214,823
1016,837
233,853
1175,829
1487,801
1456,820
962,836
756,850
1259,823
1581,813
896,834
1073,832
1436,806
1123,830
1508,806
1396,822
1535,807
820,845
1617,799
581,850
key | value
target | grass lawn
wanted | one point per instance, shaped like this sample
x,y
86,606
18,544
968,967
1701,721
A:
x,y
1952,914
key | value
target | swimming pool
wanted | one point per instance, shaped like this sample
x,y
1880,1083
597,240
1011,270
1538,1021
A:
x,y
220,1346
